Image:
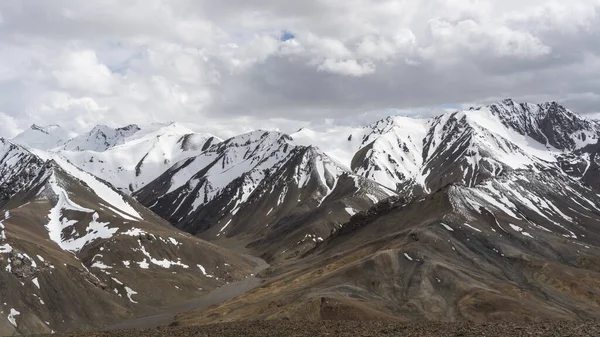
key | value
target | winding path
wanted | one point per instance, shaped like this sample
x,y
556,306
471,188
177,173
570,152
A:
x,y
219,295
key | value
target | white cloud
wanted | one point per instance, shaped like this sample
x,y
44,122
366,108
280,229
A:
x,y
80,70
471,36
347,67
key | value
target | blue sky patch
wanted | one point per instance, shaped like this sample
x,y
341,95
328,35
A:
x,y
287,36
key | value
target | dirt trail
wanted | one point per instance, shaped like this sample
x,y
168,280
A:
x,y
219,295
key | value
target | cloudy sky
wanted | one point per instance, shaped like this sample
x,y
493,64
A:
x,y
233,65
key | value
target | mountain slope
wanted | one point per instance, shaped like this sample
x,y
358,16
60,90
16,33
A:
x,y
75,253
18,167
513,246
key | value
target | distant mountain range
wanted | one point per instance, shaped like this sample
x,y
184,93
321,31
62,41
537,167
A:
x,y
490,212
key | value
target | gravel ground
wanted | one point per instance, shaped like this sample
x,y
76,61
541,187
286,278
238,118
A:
x,y
341,328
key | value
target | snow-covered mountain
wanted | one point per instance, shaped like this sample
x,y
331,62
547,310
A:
x,y
43,137
130,157
18,167
75,252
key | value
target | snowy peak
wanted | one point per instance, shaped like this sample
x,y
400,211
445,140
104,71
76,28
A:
x,y
548,123
468,147
101,138
43,137
390,150
197,142
44,129
472,145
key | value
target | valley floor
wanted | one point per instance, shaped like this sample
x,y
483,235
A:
x,y
219,295
347,328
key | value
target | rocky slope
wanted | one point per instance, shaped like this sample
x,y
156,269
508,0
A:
x,y
509,247
75,253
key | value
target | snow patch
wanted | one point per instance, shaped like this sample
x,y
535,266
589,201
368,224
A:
x,y
447,227
130,292
12,317
520,230
204,271
5,248
473,228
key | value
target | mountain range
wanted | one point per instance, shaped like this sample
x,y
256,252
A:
x,y
486,213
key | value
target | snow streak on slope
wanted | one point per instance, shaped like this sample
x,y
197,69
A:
x,y
113,198
488,121
532,202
